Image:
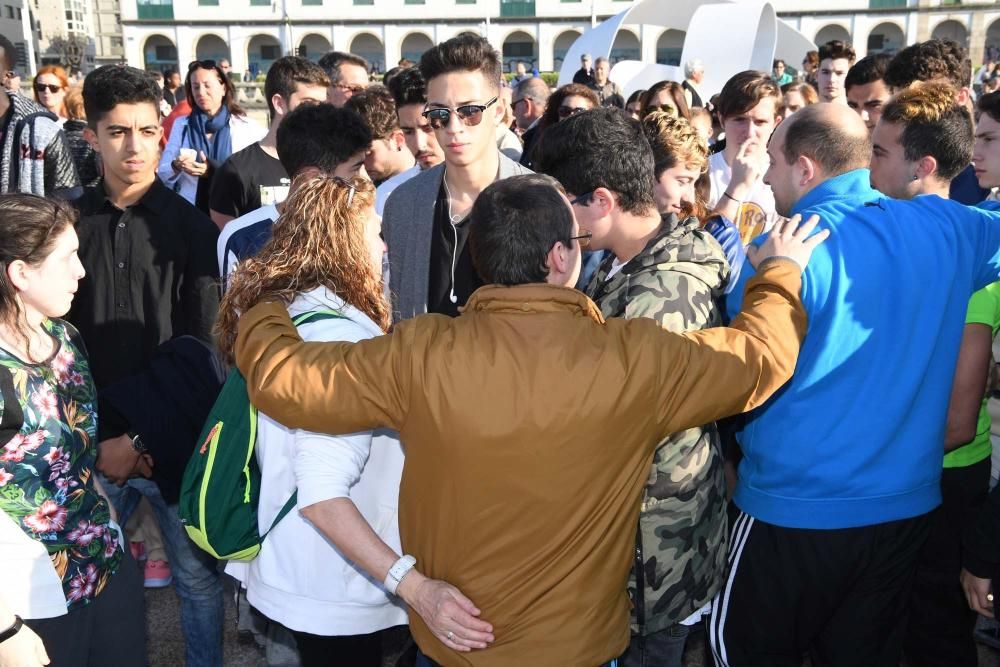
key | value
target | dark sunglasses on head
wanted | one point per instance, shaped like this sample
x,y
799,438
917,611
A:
x,y
51,87
201,64
470,114
566,112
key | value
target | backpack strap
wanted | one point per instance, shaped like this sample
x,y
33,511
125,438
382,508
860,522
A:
x,y
317,316
299,320
286,508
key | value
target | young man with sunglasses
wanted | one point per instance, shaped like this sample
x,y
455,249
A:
x,y
34,155
348,76
668,269
425,219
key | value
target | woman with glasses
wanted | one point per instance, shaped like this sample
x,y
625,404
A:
x,y
51,86
199,143
665,96
320,572
569,100
66,573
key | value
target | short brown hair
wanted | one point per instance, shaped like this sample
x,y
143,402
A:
x,y
674,141
812,57
332,61
989,104
933,124
465,53
286,73
835,50
377,107
808,133
746,90
930,60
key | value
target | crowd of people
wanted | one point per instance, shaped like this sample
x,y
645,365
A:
x,y
559,377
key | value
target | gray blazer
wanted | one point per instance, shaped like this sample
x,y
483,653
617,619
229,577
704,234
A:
x,y
407,225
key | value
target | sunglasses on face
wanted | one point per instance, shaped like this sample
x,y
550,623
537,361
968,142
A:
x,y
567,111
583,199
583,238
470,114
513,105
51,87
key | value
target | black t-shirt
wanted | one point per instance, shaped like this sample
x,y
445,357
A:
x,y
443,244
249,179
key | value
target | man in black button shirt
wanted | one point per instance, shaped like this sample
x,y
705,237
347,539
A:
x,y
254,177
151,277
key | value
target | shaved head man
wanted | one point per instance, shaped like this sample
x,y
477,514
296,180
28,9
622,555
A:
x,y
842,469
791,175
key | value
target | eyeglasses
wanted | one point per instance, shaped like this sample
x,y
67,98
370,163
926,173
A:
x,y
201,64
51,87
669,108
583,199
583,238
471,114
353,90
513,105
567,111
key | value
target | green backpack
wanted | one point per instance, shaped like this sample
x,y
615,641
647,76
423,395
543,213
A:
x,y
221,485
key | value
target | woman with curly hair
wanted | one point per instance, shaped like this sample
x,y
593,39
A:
x,y
319,570
65,570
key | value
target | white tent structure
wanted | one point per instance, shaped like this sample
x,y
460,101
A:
x,y
728,37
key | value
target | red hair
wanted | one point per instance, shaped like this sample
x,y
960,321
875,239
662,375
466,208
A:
x,y
59,73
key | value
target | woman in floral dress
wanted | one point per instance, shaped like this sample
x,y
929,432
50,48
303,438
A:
x,y
64,569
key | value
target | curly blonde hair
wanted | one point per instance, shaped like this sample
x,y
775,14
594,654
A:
x,y
674,141
319,240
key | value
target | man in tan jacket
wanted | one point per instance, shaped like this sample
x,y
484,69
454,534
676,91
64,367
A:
x,y
529,425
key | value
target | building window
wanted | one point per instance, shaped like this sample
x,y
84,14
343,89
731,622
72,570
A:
x,y
208,3
260,3
155,9
306,3
886,4
414,2
364,2
518,8
465,2
117,43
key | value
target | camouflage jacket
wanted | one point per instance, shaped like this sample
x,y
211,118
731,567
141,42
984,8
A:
x,y
676,280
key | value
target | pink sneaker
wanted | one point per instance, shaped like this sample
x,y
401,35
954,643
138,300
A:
x,y
138,551
158,574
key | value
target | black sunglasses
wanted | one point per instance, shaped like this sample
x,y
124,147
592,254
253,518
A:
x,y
470,114
51,87
583,199
566,112
583,238
201,64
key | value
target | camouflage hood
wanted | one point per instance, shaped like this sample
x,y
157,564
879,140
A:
x,y
683,249
676,280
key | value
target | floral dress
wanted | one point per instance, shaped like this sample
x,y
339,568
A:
x,y
48,418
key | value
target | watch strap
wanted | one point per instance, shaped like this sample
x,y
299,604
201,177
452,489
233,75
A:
x,y
398,571
12,630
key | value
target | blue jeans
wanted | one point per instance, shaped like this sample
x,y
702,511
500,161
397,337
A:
x,y
662,649
196,575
